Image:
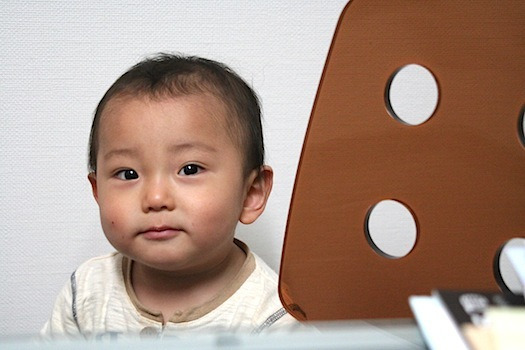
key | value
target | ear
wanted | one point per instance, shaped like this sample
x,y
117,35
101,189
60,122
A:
x,y
260,185
92,177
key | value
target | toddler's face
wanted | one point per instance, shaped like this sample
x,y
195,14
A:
x,y
169,181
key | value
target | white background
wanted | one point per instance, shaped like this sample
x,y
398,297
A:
x,y
57,60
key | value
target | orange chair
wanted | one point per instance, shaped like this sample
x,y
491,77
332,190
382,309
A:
x,y
461,173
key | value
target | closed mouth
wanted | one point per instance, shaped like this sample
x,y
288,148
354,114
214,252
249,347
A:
x,y
160,233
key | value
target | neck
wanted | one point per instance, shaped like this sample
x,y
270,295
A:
x,y
169,292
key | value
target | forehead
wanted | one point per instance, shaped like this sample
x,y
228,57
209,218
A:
x,y
201,107
201,114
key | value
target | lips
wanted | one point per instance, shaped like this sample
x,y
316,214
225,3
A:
x,y
160,233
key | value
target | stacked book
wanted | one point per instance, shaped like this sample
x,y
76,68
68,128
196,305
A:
x,y
468,319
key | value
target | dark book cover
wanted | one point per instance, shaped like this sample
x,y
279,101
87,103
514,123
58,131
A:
x,y
467,306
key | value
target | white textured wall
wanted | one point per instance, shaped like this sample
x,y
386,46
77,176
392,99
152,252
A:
x,y
58,58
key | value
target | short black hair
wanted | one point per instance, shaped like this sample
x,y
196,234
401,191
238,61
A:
x,y
164,75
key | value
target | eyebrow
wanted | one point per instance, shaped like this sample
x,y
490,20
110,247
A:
x,y
176,148
120,152
191,145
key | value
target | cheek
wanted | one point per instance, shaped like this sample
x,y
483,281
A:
x,y
113,220
218,215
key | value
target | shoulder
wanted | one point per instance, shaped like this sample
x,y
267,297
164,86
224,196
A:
x,y
260,285
107,262
102,265
261,273
77,307
261,288
264,273
98,274
100,303
268,281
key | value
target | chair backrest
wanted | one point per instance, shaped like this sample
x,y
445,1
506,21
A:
x,y
461,174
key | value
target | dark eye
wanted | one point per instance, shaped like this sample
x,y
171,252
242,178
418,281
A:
x,y
190,169
128,174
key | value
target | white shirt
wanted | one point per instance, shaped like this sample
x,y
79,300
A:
x,y
99,302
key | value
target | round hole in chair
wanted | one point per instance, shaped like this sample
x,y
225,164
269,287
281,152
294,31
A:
x,y
521,126
391,229
412,94
504,273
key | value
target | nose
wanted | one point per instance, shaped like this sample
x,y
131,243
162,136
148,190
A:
x,y
158,196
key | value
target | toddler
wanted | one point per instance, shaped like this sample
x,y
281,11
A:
x,y
176,159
